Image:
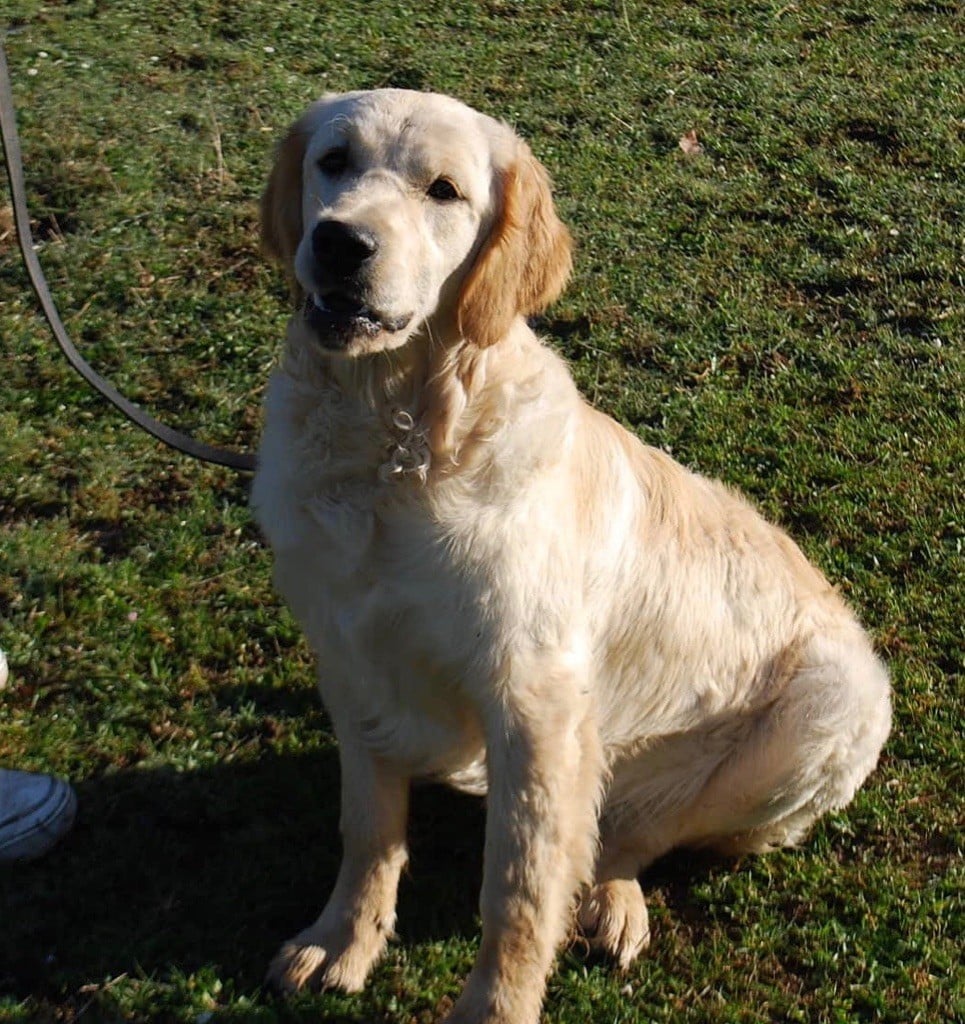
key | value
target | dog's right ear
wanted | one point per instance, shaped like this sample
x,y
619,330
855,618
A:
x,y
281,202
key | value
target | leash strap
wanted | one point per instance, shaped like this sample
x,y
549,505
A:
x,y
173,438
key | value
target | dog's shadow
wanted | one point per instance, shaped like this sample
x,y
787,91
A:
x,y
172,871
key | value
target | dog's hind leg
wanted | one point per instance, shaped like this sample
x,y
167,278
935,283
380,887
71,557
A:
x,y
759,779
811,750
742,785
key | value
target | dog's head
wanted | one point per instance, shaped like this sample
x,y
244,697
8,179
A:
x,y
399,214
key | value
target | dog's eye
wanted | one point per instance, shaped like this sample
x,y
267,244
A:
x,y
333,162
442,190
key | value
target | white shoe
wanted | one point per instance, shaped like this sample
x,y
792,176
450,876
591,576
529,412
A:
x,y
35,811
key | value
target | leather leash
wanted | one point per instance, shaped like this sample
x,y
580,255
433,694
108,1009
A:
x,y
174,438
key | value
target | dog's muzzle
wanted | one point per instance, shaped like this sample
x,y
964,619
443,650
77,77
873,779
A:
x,y
337,312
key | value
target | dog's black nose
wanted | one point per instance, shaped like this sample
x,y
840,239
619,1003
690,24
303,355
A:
x,y
340,249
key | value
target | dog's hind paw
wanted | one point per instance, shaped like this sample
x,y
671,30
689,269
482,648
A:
x,y
613,917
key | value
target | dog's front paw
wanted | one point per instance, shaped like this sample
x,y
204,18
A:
x,y
320,958
613,917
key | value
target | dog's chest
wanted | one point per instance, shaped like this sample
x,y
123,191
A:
x,y
384,609
369,572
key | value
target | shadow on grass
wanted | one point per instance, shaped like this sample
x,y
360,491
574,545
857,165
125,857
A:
x,y
173,872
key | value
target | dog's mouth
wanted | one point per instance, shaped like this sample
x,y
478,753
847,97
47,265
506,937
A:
x,y
338,318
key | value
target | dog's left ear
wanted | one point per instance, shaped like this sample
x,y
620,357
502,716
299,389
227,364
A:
x,y
281,202
523,264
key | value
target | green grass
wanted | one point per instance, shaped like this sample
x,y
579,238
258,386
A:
x,y
783,310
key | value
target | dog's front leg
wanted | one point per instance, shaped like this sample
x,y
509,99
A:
x,y
341,947
545,775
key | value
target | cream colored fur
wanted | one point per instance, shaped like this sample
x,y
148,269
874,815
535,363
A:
x,y
507,591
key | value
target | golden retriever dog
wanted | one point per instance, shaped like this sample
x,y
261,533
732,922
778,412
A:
x,y
505,590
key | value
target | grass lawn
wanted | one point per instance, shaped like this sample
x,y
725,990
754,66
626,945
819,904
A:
x,y
783,309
